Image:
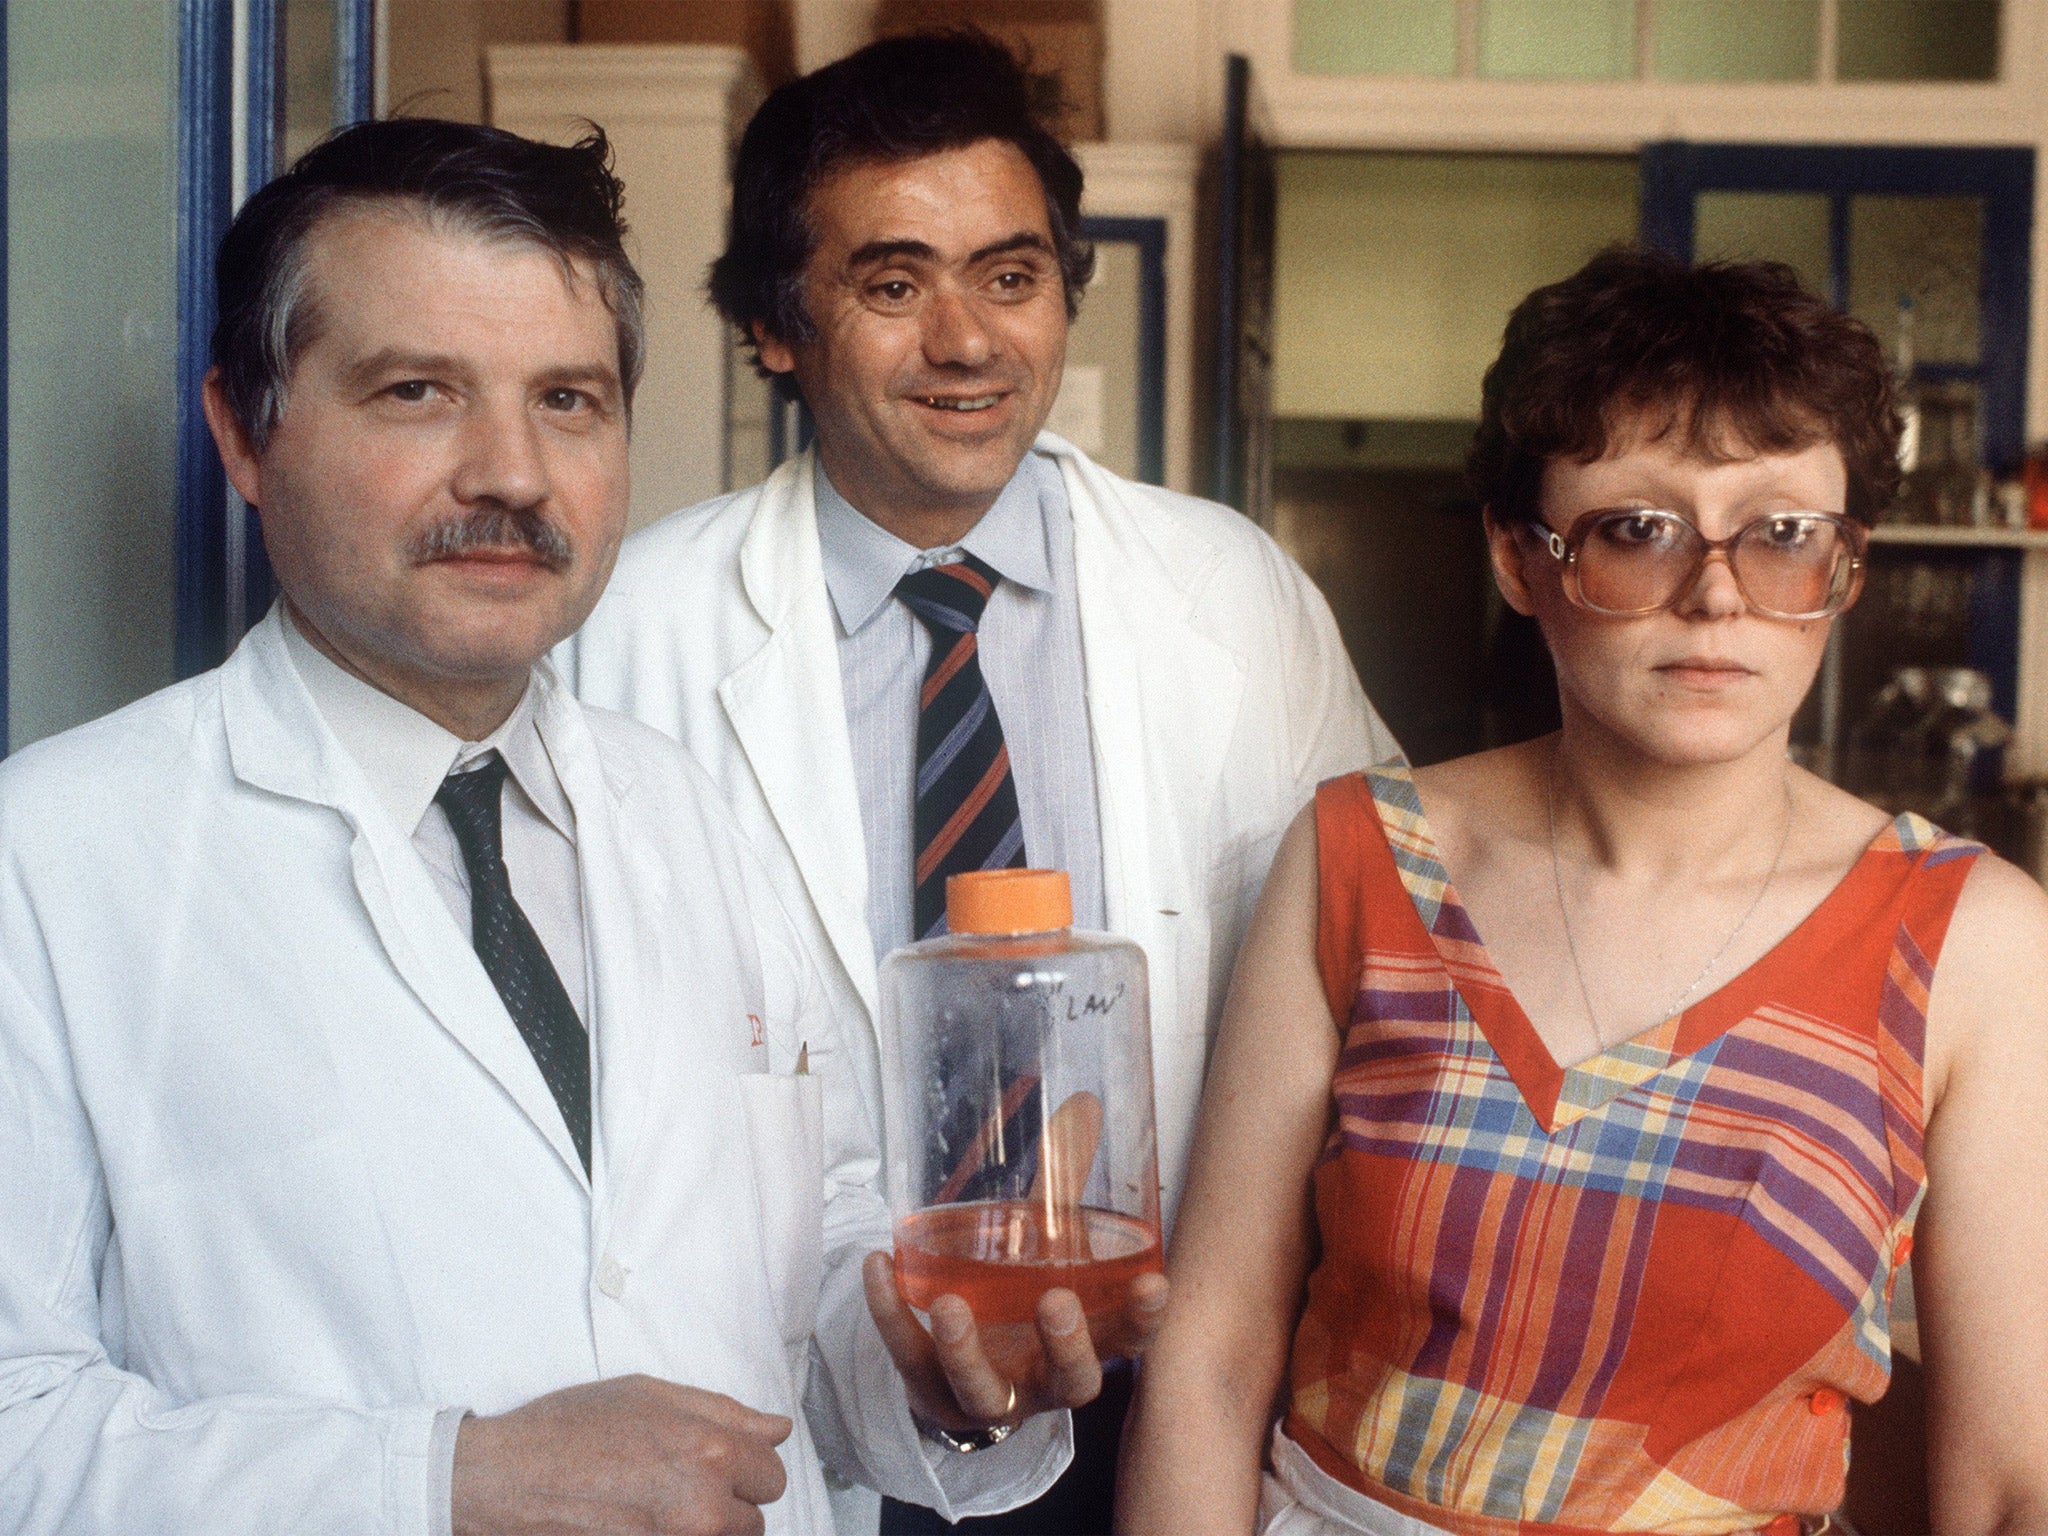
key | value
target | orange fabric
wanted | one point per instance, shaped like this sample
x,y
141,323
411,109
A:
x,y
1635,1293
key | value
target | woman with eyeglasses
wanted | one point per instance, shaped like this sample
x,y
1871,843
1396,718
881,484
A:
x,y
1578,1103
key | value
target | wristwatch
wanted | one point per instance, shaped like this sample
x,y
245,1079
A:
x,y
967,1445
980,1439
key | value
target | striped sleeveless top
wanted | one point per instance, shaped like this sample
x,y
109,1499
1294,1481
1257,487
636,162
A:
x,y
1629,1295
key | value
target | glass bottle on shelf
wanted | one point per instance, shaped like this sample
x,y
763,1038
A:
x,y
1929,743
1960,739
1944,484
1908,392
1881,768
2034,478
1952,478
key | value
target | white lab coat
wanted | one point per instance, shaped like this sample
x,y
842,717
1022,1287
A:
x,y
1219,696
281,1180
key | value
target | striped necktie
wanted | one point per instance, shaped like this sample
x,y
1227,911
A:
x,y
966,815
511,951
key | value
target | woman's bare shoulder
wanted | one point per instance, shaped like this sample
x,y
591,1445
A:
x,y
1465,795
1835,826
2001,910
1478,772
1989,1000
2001,915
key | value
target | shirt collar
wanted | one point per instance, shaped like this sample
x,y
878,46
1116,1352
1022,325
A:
x,y
864,561
405,756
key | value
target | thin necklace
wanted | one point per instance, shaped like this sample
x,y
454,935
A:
x,y
1564,913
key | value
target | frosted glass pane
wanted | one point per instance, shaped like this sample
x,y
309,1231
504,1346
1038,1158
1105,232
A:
x,y
1736,39
92,340
1791,227
1558,39
1393,274
1918,40
1930,249
1376,37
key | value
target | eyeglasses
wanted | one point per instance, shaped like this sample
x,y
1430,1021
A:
x,y
1787,565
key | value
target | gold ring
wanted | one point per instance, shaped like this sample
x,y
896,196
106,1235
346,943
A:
x,y
1011,1406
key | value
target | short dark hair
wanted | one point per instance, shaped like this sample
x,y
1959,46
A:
x,y
1726,350
898,99
483,181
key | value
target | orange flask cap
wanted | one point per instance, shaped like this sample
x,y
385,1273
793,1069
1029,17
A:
x,y
1009,901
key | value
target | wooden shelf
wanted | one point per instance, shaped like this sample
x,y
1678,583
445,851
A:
x,y
1960,538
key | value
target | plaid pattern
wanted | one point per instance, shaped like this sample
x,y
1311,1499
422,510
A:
x,y
1629,1295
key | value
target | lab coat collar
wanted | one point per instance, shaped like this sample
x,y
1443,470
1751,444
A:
x,y
405,755
277,739
864,560
788,710
278,742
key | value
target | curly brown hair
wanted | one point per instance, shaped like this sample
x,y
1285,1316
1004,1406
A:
x,y
1733,355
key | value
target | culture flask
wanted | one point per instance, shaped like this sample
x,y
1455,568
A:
x,y
1022,1151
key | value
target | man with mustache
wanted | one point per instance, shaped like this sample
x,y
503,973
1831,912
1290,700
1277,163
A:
x,y
417,1112
1153,688
494,527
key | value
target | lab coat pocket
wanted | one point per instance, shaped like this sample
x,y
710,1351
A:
x,y
785,1133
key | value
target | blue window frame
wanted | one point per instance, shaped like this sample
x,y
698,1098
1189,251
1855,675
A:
x,y
1674,174
224,582
206,63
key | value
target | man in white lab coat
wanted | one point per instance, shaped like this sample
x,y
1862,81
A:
x,y
417,1111
1153,688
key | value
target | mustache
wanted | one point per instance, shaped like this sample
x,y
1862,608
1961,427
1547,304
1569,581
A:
x,y
494,528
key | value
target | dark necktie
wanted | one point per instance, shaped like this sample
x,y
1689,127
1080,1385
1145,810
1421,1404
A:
x,y
966,815
511,951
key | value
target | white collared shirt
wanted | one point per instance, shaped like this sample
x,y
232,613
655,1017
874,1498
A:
x,y
405,756
1030,655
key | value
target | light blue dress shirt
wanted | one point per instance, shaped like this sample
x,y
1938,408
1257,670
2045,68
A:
x,y
1030,652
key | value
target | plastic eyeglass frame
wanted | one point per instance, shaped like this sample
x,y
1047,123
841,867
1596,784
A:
x,y
1565,548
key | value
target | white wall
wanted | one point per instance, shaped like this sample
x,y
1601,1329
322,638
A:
x,y
1162,70
673,112
1389,296
830,29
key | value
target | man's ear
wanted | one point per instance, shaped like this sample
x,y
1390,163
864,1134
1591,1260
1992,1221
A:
x,y
775,353
1509,551
237,454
